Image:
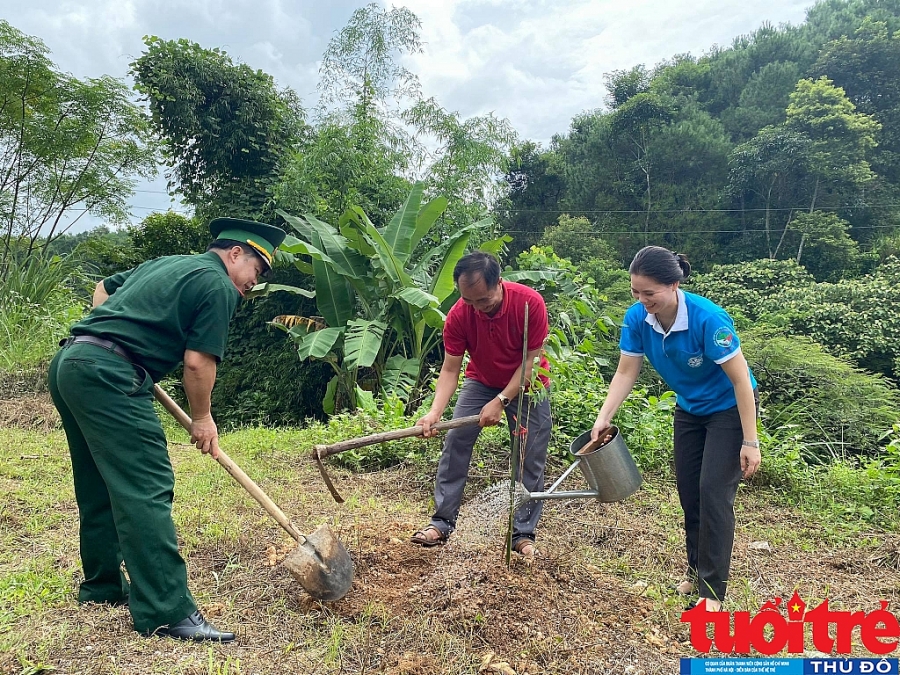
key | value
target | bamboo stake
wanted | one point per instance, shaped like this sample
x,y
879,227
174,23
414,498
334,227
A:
x,y
514,454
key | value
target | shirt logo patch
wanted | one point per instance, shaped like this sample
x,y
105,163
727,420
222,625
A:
x,y
695,361
724,337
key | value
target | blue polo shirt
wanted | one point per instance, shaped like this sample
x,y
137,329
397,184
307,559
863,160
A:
x,y
690,355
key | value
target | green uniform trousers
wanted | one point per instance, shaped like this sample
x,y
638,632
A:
x,y
123,485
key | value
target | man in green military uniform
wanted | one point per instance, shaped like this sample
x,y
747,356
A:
x,y
144,323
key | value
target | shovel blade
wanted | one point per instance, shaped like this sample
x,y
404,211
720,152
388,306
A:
x,y
322,565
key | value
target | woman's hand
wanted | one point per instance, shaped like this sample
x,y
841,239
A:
x,y
750,460
602,424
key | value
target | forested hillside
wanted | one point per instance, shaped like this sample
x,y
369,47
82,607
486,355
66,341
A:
x,y
784,145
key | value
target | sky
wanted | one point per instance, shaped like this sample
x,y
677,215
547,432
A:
x,y
537,63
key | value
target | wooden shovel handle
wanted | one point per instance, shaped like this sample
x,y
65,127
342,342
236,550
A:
x,y
228,464
322,451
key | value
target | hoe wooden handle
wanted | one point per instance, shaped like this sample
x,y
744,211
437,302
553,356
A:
x,y
322,451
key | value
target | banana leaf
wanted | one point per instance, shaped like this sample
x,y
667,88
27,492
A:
x,y
362,342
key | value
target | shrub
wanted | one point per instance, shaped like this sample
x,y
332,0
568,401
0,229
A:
x,y
37,305
857,318
837,410
744,286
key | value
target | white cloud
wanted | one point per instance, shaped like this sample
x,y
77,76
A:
x,y
536,62
540,63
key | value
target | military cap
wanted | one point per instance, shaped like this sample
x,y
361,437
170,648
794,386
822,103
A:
x,y
262,238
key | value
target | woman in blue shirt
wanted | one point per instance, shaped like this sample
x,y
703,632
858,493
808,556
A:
x,y
692,344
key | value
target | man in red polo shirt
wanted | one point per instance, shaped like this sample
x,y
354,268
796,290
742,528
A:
x,y
488,322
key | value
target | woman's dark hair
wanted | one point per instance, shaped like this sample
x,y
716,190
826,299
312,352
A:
x,y
660,264
478,263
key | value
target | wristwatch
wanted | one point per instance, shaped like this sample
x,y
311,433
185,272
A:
x,y
752,444
503,399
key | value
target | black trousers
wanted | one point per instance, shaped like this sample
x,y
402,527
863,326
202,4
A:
x,y
707,472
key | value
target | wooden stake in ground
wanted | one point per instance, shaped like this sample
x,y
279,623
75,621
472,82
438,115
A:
x,y
514,465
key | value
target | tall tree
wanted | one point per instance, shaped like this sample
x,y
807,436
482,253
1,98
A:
x,y
360,61
67,146
225,128
865,66
466,160
840,138
763,100
769,170
535,185
375,133
637,115
358,154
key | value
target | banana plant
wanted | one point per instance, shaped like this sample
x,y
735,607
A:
x,y
380,291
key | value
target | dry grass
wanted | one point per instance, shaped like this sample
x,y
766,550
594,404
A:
x,y
29,411
597,599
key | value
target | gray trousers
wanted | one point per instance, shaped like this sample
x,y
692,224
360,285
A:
x,y
707,473
453,468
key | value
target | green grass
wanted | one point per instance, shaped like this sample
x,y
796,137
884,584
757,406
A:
x,y
635,548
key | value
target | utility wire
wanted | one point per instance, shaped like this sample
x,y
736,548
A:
x,y
686,232
693,210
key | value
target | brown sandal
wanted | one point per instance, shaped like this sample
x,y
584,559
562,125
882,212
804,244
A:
x,y
422,539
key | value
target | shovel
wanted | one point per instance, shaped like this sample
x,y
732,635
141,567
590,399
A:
x,y
319,562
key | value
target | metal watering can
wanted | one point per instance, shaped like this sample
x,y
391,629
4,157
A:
x,y
608,467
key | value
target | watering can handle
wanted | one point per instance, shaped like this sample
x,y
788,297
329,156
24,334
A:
x,y
592,445
323,451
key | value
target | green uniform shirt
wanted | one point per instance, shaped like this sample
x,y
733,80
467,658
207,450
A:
x,y
164,306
